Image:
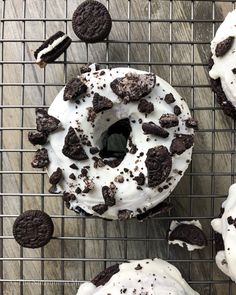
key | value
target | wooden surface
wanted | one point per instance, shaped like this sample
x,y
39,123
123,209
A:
x,y
78,248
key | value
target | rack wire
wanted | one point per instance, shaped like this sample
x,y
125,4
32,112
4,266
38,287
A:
x,y
168,37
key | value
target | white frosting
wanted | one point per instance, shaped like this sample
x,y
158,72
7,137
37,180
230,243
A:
x,y
226,260
127,196
50,47
176,223
223,65
156,277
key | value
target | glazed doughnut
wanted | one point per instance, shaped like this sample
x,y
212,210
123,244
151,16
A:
x,y
124,141
138,277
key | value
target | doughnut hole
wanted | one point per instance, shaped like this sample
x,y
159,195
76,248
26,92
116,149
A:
x,y
113,142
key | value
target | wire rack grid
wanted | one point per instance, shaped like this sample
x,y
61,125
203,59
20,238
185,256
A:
x,y
170,38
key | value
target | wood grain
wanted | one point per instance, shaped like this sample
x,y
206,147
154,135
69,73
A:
x,y
82,241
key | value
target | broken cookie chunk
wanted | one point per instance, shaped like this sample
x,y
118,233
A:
x,y
152,128
73,89
189,233
101,103
181,143
133,87
45,123
41,159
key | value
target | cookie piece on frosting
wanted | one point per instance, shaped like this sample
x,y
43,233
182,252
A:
x,y
225,239
187,232
116,163
138,277
222,64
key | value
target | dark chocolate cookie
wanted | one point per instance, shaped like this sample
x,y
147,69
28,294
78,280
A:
x,y
104,277
45,123
101,103
33,229
37,138
145,106
133,87
72,147
74,88
169,121
91,21
152,128
223,47
160,208
56,176
159,164
41,159
48,52
189,234
181,143
108,195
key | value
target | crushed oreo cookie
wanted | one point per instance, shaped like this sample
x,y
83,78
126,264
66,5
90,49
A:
x,y
67,197
181,143
159,164
191,123
94,150
124,214
55,177
45,123
140,179
177,110
133,87
101,103
74,166
152,128
224,46
100,208
169,121
41,159
73,89
145,106
102,278
72,147
87,68
189,234
37,138
169,98
109,196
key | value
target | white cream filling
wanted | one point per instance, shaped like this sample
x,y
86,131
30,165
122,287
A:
x,y
176,223
50,47
127,196
157,277
226,260
223,66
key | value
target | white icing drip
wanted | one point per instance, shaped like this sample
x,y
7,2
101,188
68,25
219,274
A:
x,y
226,260
127,196
223,66
190,247
50,47
157,277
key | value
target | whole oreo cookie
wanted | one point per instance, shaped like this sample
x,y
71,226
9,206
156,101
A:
x,y
91,21
33,229
52,48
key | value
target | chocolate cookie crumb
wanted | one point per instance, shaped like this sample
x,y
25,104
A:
x,y
33,229
74,88
109,196
152,128
177,110
124,214
133,87
101,103
138,267
100,208
72,147
159,164
234,71
191,123
72,176
145,106
37,138
181,143
44,122
55,177
78,190
102,278
86,68
223,47
169,120
169,98
140,179
41,159
74,166
94,150
91,115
